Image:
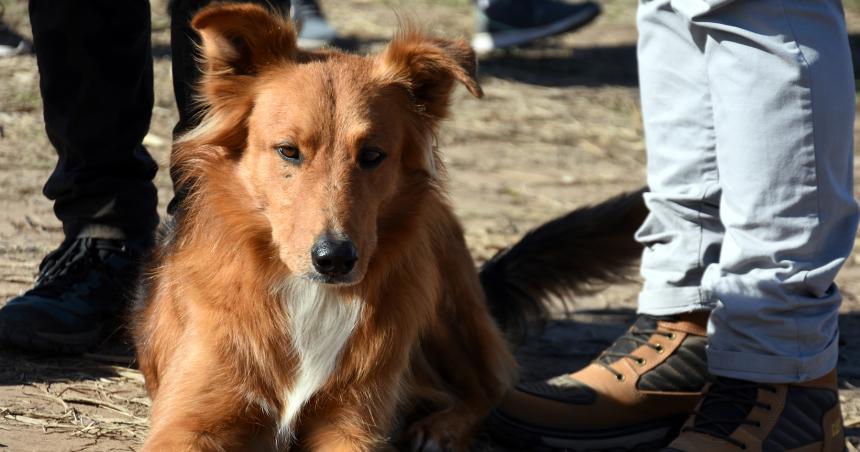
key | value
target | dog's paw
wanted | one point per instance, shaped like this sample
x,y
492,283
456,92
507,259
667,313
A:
x,y
441,432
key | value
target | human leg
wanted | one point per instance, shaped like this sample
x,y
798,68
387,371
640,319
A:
x,y
638,391
784,110
95,68
783,91
95,65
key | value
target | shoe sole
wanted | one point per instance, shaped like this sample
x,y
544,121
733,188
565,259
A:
x,y
312,43
8,51
33,341
485,42
527,437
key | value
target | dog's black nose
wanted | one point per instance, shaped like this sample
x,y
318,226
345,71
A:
x,y
333,257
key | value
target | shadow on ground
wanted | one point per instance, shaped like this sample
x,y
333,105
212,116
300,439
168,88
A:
x,y
555,66
549,65
562,67
569,344
561,346
113,357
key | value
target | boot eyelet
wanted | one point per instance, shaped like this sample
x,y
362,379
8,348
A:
x,y
743,447
671,336
659,349
621,378
641,361
757,424
768,407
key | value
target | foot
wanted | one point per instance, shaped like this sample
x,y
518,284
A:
x,y
79,298
742,415
507,23
314,30
636,393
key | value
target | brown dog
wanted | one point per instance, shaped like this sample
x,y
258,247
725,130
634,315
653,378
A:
x,y
316,287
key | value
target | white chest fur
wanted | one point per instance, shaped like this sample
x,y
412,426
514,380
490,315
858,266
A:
x,y
320,323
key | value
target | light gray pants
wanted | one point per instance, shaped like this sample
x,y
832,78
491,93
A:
x,y
748,108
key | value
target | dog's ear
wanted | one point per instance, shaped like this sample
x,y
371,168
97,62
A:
x,y
241,38
237,42
428,68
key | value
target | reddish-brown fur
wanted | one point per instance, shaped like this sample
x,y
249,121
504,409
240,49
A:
x,y
211,331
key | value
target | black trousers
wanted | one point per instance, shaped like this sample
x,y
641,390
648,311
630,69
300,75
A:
x,y
95,67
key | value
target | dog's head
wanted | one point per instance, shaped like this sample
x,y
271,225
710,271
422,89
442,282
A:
x,y
332,149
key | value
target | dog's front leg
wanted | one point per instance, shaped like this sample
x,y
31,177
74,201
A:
x,y
332,437
463,355
345,429
198,412
355,419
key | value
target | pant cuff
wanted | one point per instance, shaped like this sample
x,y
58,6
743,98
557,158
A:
x,y
673,301
773,369
101,231
137,242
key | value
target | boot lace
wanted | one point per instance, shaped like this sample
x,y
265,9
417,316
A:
x,y
636,337
65,267
726,406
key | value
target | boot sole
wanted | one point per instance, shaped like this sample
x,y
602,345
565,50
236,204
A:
x,y
67,344
314,43
650,436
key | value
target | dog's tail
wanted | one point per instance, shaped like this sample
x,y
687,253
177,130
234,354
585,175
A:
x,y
588,245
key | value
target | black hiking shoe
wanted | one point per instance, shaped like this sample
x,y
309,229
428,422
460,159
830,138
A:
x,y
507,23
737,415
79,298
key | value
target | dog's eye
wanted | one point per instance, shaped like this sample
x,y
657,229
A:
x,y
370,157
289,152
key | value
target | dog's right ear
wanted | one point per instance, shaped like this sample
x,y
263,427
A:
x,y
240,39
429,68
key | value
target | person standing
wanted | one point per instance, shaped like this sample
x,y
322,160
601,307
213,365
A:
x,y
748,109
95,68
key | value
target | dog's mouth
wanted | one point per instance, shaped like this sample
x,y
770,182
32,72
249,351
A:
x,y
333,280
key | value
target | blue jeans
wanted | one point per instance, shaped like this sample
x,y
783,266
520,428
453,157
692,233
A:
x,y
748,108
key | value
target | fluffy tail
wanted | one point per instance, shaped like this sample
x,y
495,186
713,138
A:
x,y
588,245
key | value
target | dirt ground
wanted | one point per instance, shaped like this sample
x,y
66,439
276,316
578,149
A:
x,y
559,127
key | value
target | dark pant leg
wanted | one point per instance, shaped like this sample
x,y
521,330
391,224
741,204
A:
x,y
186,74
95,64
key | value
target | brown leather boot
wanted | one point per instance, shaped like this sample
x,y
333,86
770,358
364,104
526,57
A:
x,y
636,393
737,415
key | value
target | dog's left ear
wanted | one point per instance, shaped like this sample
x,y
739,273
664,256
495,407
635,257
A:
x,y
428,68
240,39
